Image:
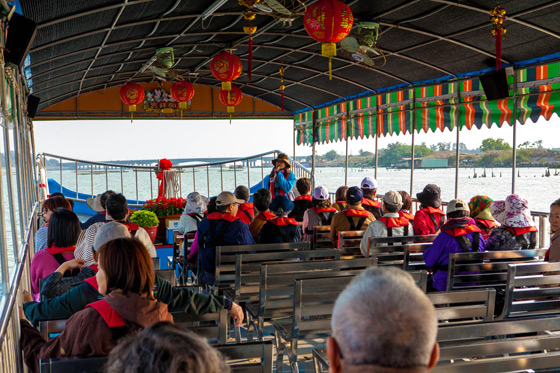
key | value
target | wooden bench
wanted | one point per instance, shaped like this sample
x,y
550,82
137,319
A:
x,y
497,346
464,305
240,357
532,289
51,328
486,269
226,258
349,243
248,268
402,251
212,326
322,237
276,292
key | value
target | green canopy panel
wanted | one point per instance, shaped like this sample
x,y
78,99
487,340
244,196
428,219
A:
x,y
428,108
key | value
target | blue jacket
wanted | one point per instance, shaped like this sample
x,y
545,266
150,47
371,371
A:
x,y
214,231
286,184
438,255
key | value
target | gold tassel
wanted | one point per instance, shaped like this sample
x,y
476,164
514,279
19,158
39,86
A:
x,y
131,107
230,109
131,116
183,105
181,114
226,86
328,49
330,68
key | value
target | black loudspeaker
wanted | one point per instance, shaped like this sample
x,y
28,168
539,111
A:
x,y
32,104
21,33
495,84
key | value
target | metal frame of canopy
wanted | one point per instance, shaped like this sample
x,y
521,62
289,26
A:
x,y
534,92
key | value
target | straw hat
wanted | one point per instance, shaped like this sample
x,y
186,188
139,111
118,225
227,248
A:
x,y
282,157
95,203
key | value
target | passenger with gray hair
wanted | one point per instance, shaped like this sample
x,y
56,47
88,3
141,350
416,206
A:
x,y
391,224
382,322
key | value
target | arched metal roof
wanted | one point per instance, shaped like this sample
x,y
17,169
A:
x,y
82,46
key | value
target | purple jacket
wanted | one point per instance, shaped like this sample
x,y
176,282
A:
x,y
438,253
42,265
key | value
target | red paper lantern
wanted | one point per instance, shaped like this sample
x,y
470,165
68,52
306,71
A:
x,y
231,98
226,67
132,94
182,92
328,22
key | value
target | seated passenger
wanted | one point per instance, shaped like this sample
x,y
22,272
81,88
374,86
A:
x,y
126,277
458,235
192,215
321,214
382,322
354,218
340,197
56,284
246,211
430,218
172,349
50,205
389,225
63,231
192,256
178,298
220,228
406,209
304,200
517,230
553,253
117,210
480,212
281,228
369,188
97,204
261,200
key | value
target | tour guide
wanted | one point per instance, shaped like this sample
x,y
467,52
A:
x,y
281,180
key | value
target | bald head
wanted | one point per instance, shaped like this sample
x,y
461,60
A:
x,y
383,319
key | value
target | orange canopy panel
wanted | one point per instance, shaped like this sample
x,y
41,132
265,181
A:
x,y
106,103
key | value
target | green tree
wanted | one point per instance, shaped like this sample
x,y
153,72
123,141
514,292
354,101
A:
x,y
364,153
494,144
395,152
331,155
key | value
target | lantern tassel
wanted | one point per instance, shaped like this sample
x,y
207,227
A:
x,y
498,49
226,86
282,99
250,62
330,68
131,116
181,114
230,109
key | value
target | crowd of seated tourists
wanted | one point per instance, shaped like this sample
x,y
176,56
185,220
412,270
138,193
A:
x,y
100,276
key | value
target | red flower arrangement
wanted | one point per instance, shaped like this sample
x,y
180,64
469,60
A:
x,y
165,207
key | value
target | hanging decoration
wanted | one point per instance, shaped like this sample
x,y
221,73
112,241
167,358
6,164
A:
x,y
231,98
328,22
132,94
282,86
250,30
183,92
164,164
226,67
286,11
497,17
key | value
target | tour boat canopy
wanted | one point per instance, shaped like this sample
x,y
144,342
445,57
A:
x,y
423,52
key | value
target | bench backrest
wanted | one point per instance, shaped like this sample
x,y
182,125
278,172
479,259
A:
x,y
66,365
322,237
487,268
240,357
248,268
458,306
156,262
167,274
532,289
349,242
226,257
212,326
420,277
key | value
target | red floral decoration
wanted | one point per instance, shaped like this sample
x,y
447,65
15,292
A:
x,y
163,165
328,22
226,67
231,98
162,206
132,94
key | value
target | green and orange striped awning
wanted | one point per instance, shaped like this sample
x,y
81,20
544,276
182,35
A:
x,y
438,106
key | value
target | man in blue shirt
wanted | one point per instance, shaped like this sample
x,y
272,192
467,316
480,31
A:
x,y
221,228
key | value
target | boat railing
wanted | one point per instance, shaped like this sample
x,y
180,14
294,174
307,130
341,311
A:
x,y
138,182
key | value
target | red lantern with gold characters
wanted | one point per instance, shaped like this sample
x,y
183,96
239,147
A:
x,y
132,94
183,92
231,98
328,22
226,67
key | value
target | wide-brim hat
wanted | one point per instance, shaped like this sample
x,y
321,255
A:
x,y
95,203
196,203
282,157
281,202
517,213
430,196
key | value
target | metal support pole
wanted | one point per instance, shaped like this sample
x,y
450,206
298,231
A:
x,y
346,163
294,139
514,146
457,153
412,164
313,141
376,162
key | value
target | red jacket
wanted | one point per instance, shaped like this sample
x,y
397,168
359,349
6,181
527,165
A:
x,y
246,212
424,221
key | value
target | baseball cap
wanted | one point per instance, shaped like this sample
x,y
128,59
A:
x,y
457,205
354,195
109,232
393,198
321,193
369,183
227,198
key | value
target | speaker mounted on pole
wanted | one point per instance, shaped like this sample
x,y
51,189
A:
x,y
32,105
21,34
495,85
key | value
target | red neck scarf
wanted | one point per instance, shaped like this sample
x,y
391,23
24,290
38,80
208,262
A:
x,y
432,210
522,230
369,202
222,215
319,210
57,250
394,222
284,221
304,198
352,212
266,215
407,215
487,223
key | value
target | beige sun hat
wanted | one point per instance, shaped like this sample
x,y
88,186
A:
x,y
95,203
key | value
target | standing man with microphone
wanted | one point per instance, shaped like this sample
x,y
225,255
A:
x,y
281,180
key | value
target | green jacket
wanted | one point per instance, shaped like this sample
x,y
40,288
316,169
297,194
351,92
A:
x,y
178,299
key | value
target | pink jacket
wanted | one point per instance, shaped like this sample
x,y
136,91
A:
x,y
42,265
